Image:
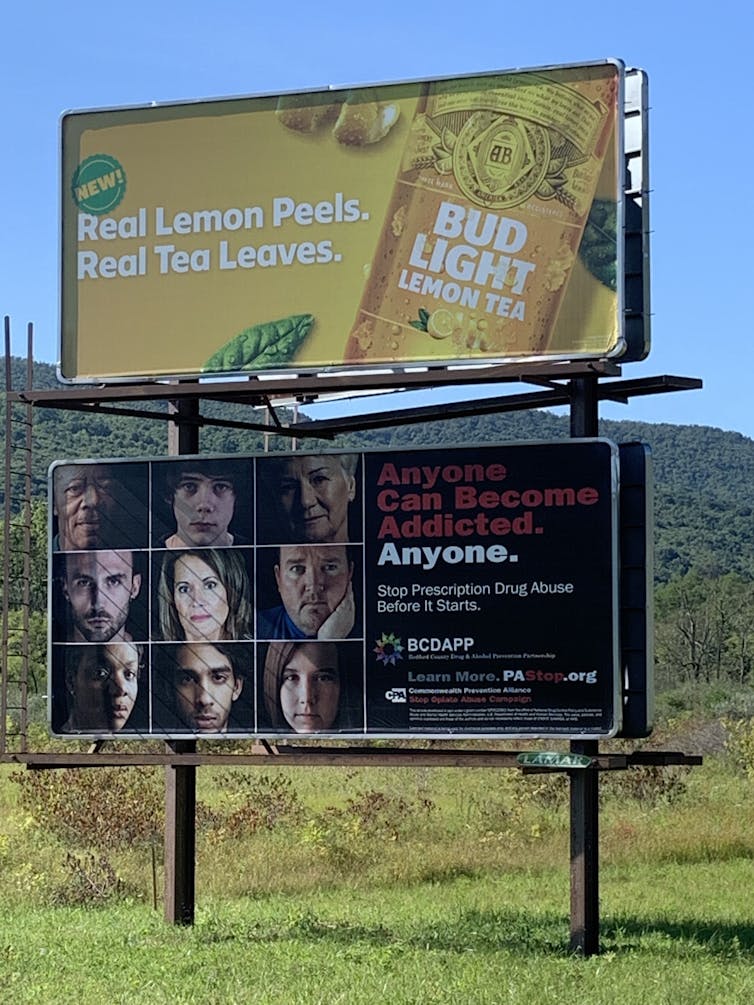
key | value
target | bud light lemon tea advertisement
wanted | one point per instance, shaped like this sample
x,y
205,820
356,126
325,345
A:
x,y
470,219
465,591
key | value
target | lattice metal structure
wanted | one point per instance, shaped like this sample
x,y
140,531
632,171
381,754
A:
x,y
16,601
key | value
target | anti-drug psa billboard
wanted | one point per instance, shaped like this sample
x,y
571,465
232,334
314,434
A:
x,y
468,591
465,219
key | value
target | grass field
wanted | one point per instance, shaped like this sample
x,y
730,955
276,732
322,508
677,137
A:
x,y
377,885
673,934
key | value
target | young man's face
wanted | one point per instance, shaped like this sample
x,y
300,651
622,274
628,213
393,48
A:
x,y
203,508
99,586
315,492
206,687
85,504
312,580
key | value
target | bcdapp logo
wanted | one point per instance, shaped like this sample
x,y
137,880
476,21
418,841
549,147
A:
x,y
388,649
435,645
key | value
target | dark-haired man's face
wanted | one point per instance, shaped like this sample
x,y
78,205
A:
x,y
206,687
99,586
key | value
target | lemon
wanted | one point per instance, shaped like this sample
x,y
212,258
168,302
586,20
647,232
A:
x,y
441,323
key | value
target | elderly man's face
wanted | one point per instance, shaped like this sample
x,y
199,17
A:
x,y
315,492
86,505
99,586
312,580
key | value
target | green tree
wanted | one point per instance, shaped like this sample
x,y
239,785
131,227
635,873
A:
x,y
704,630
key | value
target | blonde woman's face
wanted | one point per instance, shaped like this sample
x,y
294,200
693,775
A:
x,y
201,600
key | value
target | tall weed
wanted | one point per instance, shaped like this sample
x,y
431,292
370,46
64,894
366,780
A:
x,y
739,745
350,834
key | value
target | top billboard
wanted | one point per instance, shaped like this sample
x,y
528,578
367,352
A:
x,y
453,221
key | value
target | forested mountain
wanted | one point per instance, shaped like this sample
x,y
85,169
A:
x,y
704,477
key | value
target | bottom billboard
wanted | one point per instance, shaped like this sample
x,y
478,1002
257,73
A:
x,y
438,592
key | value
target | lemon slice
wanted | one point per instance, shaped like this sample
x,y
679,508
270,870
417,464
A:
x,y
441,323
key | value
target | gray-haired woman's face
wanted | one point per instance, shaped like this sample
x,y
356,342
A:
x,y
315,492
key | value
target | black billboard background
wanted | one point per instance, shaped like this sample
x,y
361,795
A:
x,y
485,588
490,618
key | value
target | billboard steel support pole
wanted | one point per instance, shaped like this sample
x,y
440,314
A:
x,y
180,837
180,779
584,789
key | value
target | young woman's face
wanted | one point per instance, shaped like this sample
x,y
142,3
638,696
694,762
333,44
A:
x,y
310,687
201,600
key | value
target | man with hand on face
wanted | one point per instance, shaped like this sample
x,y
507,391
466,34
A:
x,y
99,587
207,682
316,590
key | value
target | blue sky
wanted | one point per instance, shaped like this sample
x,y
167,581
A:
x,y
701,142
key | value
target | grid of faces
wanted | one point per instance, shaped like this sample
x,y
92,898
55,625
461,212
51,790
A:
x,y
207,596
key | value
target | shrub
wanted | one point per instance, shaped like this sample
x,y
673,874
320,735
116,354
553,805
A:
x,y
347,835
91,881
648,785
101,808
260,802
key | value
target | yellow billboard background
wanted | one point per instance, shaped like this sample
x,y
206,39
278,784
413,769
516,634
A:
x,y
239,213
